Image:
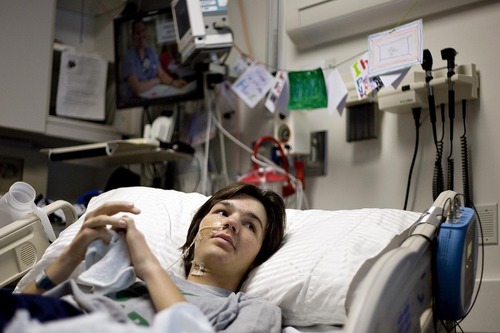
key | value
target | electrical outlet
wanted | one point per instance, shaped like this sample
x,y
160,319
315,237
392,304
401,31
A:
x,y
316,161
488,217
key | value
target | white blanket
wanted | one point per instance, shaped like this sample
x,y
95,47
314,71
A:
x,y
108,266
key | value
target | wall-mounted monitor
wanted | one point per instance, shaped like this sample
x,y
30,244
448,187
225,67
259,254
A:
x,y
145,48
202,29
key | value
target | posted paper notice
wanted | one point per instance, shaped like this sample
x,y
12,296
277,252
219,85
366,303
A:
x,y
81,91
253,84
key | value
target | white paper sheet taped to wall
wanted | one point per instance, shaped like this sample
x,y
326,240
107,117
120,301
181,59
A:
x,y
81,90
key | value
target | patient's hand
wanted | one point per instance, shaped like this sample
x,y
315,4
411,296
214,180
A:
x,y
164,293
143,259
95,225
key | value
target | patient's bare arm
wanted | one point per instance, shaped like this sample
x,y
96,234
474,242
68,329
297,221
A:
x,y
162,290
94,227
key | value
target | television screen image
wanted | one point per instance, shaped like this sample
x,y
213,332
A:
x,y
148,67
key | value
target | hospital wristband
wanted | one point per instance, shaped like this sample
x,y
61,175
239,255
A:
x,y
42,281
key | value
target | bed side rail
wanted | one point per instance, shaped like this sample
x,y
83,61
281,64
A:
x,y
397,290
23,242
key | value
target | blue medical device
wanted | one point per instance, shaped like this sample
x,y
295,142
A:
x,y
455,264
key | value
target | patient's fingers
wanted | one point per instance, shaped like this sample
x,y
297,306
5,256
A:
x,y
103,234
114,207
102,221
102,216
141,255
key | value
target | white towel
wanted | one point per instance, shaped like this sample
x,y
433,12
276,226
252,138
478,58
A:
x,y
108,267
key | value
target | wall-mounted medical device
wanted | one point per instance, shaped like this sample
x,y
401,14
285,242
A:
x,y
201,29
293,133
161,129
413,95
456,264
270,177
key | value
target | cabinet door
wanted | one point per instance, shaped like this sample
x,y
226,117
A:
x,y
26,59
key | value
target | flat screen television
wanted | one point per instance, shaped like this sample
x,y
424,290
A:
x,y
153,31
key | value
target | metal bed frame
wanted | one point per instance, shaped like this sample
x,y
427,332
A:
x,y
23,242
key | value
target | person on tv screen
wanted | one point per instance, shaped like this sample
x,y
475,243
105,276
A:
x,y
142,69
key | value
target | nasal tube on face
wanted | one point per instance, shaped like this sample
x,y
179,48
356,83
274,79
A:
x,y
198,268
208,231
203,233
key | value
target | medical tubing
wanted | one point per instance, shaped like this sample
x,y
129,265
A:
x,y
185,252
260,140
222,147
465,158
416,117
204,171
265,162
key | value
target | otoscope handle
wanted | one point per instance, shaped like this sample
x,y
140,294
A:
x,y
449,54
451,109
432,108
432,115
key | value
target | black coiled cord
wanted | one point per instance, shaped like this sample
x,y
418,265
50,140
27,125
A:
x,y
465,169
451,172
438,183
465,159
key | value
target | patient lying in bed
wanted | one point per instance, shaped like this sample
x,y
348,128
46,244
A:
x,y
234,231
311,278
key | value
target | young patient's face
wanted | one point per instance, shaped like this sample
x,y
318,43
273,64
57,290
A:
x,y
234,247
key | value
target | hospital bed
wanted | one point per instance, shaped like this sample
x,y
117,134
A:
x,y
23,242
360,270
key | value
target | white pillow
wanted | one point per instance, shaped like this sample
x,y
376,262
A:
x,y
308,277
